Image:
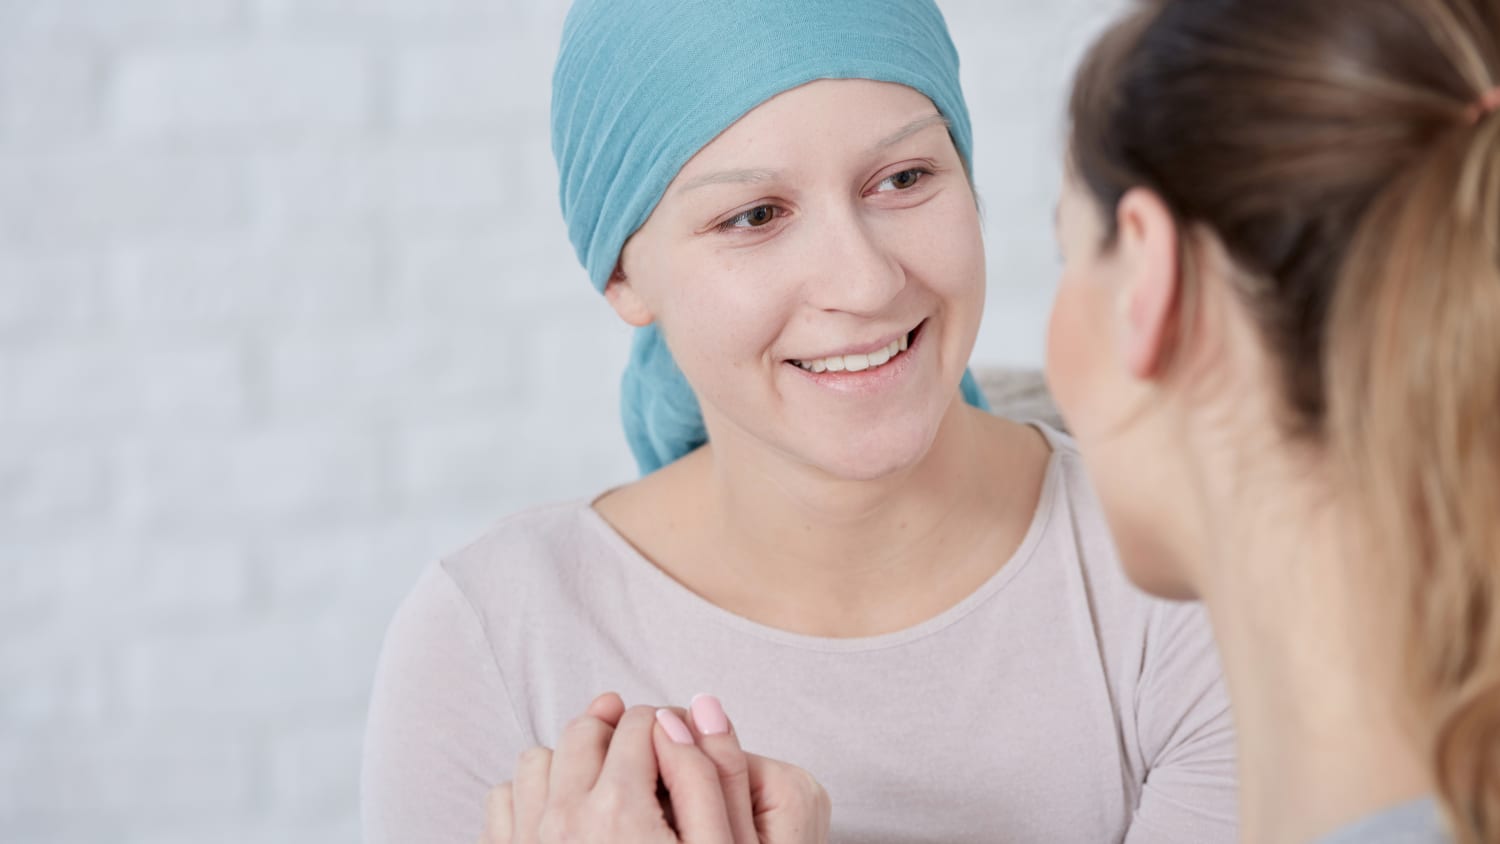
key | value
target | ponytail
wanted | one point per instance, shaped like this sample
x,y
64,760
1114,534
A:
x,y
1413,380
1346,154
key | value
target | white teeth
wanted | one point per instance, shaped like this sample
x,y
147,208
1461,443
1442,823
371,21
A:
x,y
857,363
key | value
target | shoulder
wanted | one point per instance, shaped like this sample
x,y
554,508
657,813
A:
x,y
1416,822
1089,527
1077,513
527,570
448,712
1068,465
545,529
1160,661
473,613
1143,636
532,549
514,561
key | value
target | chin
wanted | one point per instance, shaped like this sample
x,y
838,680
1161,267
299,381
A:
x,y
1150,567
1137,530
878,453
1159,584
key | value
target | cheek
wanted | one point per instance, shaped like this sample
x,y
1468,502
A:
x,y
951,242
941,248
720,316
1077,338
1095,399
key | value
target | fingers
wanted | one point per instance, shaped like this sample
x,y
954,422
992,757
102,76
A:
x,y
499,815
579,757
718,742
790,805
582,747
529,793
692,782
630,766
608,708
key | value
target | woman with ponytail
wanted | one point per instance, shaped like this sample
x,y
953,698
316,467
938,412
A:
x,y
1277,341
1282,239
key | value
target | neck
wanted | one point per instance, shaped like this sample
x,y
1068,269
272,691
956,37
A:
x,y
859,558
1313,674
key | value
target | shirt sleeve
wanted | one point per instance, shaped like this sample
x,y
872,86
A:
x,y
1186,735
441,729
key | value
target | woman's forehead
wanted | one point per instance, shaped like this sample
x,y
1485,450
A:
x,y
828,117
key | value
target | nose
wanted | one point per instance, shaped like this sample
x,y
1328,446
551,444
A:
x,y
851,269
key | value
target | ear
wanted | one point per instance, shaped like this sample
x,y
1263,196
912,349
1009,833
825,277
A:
x,y
626,301
1148,300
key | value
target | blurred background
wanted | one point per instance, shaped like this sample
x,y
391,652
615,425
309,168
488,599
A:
x,y
287,310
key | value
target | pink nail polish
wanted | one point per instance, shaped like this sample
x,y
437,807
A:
x,y
709,715
676,730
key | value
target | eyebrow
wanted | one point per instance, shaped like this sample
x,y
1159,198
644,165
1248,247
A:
x,y
728,177
732,177
913,128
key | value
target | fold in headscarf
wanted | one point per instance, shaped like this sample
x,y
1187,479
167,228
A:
x,y
642,85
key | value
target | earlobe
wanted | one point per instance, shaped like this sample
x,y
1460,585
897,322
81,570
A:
x,y
622,296
1148,304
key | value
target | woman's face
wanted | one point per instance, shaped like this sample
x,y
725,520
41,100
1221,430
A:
x,y
1096,321
1081,364
818,272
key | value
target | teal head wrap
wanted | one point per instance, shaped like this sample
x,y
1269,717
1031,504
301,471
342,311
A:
x,y
642,85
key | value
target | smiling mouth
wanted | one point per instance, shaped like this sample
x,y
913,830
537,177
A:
x,y
865,362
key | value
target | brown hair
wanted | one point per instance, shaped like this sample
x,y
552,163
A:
x,y
1335,149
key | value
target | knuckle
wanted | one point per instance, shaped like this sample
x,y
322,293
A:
x,y
691,758
733,770
728,758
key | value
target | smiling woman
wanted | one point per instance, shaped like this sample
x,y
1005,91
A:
x,y
858,234
912,599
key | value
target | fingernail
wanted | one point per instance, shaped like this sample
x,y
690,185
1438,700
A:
x,y
709,715
676,730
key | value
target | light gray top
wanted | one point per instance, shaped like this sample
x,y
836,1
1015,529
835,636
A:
x,y
1417,822
1055,704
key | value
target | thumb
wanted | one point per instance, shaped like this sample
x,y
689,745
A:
x,y
718,741
692,782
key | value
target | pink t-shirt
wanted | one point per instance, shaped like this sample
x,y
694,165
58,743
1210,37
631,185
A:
x,y
1055,704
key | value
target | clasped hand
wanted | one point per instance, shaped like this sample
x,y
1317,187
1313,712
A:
x,y
647,775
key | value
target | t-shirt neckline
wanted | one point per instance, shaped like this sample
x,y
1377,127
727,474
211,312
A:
x,y
643,569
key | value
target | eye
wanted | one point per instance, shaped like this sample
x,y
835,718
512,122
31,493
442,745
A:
x,y
905,180
755,218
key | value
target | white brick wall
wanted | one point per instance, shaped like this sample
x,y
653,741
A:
x,y
286,310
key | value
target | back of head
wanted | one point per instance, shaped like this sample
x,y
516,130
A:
x,y
1347,154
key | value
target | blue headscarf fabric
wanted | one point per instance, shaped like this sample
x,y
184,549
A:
x,y
642,85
